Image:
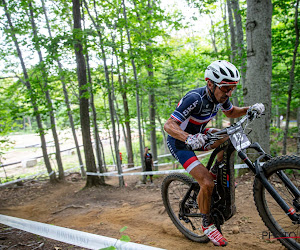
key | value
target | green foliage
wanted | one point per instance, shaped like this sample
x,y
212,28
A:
x,y
275,138
168,63
124,238
283,43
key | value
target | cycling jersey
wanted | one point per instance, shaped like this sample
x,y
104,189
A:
x,y
193,112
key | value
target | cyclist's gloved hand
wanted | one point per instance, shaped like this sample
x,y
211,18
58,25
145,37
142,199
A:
x,y
196,141
258,107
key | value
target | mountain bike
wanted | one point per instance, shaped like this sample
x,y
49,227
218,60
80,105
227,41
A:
x,y
275,189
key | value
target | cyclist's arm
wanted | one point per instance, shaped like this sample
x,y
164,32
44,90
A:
x,y
236,112
173,129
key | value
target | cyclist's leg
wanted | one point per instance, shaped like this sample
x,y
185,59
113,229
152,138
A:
x,y
192,165
205,180
203,177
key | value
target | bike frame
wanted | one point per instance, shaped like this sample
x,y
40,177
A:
x,y
223,198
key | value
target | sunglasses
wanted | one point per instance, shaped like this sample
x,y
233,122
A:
x,y
227,87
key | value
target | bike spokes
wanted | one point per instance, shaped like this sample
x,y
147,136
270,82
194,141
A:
x,y
184,206
179,194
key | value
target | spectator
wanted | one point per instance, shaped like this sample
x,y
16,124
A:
x,y
148,162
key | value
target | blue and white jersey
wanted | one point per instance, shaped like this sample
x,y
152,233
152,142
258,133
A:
x,y
196,109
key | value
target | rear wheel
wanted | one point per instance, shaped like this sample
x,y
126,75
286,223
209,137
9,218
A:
x,y
174,189
278,222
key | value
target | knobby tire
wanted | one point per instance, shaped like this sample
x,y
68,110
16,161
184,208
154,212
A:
x,y
174,188
279,224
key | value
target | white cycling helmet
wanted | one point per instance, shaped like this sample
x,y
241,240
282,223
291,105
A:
x,y
222,72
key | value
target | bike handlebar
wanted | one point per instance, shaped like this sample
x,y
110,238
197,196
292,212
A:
x,y
251,115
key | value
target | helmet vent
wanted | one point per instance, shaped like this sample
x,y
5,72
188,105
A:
x,y
223,72
216,76
231,73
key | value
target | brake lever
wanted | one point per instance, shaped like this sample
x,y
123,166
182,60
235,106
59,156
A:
x,y
213,137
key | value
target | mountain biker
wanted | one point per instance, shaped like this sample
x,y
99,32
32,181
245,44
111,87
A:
x,y
186,129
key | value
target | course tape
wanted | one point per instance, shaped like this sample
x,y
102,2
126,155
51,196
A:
x,y
239,166
70,236
38,174
139,173
115,173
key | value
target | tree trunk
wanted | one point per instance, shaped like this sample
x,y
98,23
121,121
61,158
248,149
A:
x,y
232,45
123,84
225,30
66,97
47,95
259,66
152,107
31,92
152,102
110,101
213,35
94,113
240,39
278,121
109,135
127,132
84,102
137,95
232,32
95,125
298,135
292,80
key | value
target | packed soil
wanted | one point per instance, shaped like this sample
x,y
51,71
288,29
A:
x,y
106,209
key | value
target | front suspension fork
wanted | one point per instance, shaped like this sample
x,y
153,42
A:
x,y
258,170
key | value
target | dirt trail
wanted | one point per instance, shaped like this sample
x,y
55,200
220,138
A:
x,y
105,210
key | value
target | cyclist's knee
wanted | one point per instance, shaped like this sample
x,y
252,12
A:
x,y
207,185
204,178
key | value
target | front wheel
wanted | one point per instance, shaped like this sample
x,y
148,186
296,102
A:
x,y
174,190
278,222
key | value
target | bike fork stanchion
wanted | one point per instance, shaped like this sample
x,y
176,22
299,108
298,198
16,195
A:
x,y
290,211
258,170
282,176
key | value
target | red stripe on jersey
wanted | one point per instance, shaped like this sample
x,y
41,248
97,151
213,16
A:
x,y
173,117
194,122
179,103
228,109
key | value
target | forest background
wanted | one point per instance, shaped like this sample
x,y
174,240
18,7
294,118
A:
x,y
117,69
